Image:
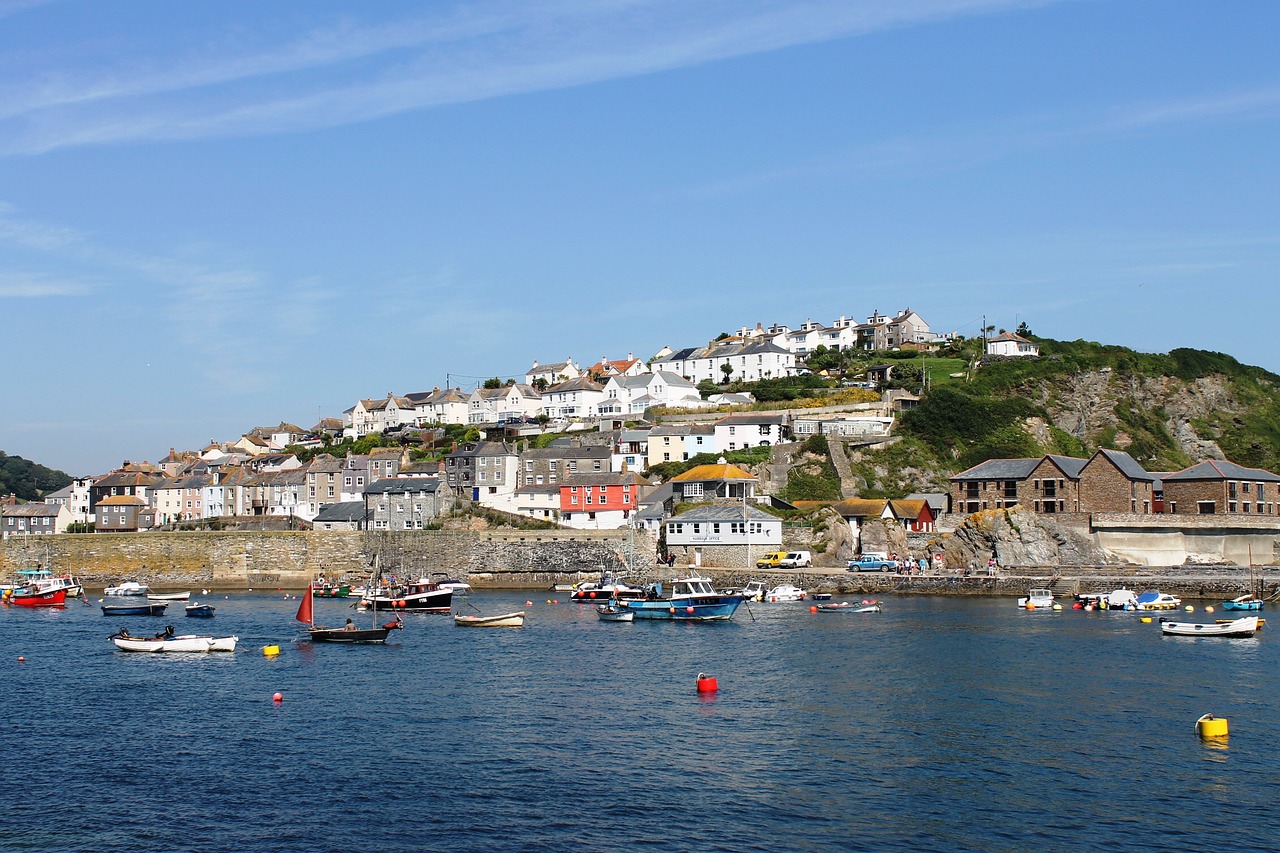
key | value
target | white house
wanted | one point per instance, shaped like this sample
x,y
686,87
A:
x,y
748,361
632,395
576,398
1009,344
33,519
508,403
448,406
736,432
546,375
725,524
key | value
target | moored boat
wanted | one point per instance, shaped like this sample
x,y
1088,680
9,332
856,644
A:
x,y
785,592
1036,599
420,596
849,607
614,613
168,596
127,588
25,597
200,611
1155,600
501,620
689,599
349,633
1244,602
150,608
605,589
168,642
1245,626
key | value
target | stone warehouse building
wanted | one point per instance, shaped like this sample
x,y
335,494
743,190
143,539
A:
x,y
1113,481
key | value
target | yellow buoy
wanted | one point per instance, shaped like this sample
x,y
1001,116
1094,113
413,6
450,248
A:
x,y
1208,608
1190,609
271,651
1057,606
1210,726
1146,620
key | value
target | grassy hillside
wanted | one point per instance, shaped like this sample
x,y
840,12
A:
x,y
27,480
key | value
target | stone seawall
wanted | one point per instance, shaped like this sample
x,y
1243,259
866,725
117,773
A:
x,y
248,560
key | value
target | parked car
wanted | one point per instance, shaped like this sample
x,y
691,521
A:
x,y
771,560
796,560
872,563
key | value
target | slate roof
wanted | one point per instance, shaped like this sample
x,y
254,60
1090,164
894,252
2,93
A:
x,y
724,512
345,512
1127,464
748,419
40,510
402,485
1221,469
1000,469
605,479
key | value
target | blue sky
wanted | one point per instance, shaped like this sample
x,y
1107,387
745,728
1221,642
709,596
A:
x,y
219,216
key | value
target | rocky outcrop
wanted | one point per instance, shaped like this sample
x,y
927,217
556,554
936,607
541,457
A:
x,y
880,538
1018,537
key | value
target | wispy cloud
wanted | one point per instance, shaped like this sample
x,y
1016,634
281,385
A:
x,y
16,285
345,72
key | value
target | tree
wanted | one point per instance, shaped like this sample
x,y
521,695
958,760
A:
x,y
494,382
539,383
727,370
1024,330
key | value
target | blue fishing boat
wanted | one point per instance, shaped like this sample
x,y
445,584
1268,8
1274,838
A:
x,y
200,611
1244,602
690,599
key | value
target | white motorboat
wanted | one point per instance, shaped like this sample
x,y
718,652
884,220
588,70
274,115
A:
x,y
1037,598
1153,600
167,642
128,588
1245,626
785,592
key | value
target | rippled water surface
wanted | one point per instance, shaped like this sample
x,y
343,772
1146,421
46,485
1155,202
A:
x,y
939,724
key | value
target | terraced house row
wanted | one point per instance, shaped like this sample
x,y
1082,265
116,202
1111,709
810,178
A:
x,y
1113,481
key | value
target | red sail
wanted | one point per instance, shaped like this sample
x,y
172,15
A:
x,y
304,608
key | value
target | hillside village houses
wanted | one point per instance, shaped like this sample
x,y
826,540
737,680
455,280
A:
x,y
595,480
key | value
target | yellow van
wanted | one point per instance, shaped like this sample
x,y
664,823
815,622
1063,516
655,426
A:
x,y
771,560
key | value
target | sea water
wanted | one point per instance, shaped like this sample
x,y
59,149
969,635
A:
x,y
940,724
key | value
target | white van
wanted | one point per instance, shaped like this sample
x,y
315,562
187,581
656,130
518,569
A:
x,y
796,560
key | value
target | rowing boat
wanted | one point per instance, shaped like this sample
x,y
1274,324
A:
x,y
1245,626
502,620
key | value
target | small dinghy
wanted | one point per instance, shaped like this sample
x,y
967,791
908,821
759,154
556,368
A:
x,y
166,641
502,620
200,611
849,607
613,613
149,609
168,596
1245,626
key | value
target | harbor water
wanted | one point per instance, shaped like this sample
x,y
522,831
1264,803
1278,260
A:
x,y
939,724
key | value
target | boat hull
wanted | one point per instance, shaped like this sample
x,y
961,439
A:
x,y
168,596
338,635
177,644
1242,605
608,613
436,601
709,608
52,598
1246,626
200,611
133,609
504,620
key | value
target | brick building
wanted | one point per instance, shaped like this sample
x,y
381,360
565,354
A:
x,y
1218,486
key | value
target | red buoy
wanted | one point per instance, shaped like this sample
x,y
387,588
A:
x,y
278,698
689,610
813,609
707,684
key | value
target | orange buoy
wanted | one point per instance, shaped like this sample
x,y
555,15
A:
x,y
278,698
689,610
813,609
707,684
21,659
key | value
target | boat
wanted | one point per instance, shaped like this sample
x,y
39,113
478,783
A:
x,y
200,611
502,620
322,588
443,581
820,596
1154,600
605,589
420,596
753,591
850,607
168,596
785,592
689,599
127,588
1244,602
349,633
1037,598
26,597
43,580
1245,626
166,641
614,613
150,608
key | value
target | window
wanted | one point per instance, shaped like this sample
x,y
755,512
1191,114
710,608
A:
x,y
693,490
738,527
348,481
573,499
715,527
676,527
731,430
596,466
